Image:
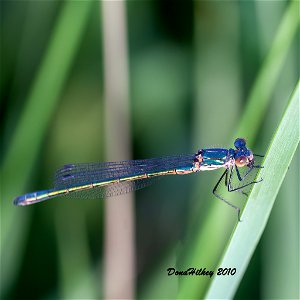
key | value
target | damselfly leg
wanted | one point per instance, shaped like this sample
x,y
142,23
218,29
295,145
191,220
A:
x,y
238,210
228,176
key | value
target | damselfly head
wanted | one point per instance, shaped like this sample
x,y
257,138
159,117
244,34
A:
x,y
239,143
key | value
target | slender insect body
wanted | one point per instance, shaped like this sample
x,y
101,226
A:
x,y
98,180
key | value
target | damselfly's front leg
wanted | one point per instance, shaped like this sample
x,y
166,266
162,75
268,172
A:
x,y
231,189
221,198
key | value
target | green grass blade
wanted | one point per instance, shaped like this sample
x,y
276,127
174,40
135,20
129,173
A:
x,y
23,150
76,280
208,254
258,208
266,80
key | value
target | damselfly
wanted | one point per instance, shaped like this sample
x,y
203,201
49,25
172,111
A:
x,y
99,180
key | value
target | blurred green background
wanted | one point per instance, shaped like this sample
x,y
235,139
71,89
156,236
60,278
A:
x,y
194,68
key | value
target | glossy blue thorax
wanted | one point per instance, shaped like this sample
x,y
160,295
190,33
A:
x,y
215,156
244,151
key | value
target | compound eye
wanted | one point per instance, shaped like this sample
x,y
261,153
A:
x,y
239,143
241,161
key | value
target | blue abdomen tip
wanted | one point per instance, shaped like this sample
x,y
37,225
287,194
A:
x,y
21,200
